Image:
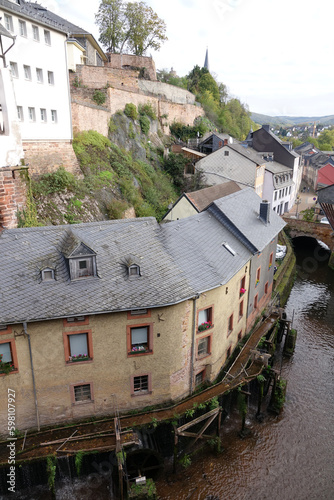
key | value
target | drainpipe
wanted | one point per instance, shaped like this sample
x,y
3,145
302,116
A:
x,y
193,345
33,375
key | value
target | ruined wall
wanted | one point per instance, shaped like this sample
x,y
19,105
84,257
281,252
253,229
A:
x,y
166,91
98,77
45,157
13,192
128,61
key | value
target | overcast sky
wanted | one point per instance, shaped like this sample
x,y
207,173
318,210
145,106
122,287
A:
x,y
276,56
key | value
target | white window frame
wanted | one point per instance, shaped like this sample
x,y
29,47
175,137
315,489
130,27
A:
x,y
14,69
23,28
35,33
20,115
39,75
51,79
27,72
9,23
32,114
47,37
54,118
43,115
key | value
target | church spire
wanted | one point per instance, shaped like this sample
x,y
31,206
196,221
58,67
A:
x,y
206,62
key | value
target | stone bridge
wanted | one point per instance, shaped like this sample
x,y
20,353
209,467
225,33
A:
x,y
323,232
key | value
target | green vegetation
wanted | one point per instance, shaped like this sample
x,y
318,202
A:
x,y
144,123
99,97
147,109
130,111
308,214
185,461
143,491
51,466
78,461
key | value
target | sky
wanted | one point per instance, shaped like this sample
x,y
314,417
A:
x,y
276,56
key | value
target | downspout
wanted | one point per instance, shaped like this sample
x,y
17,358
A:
x,y
68,88
193,345
33,375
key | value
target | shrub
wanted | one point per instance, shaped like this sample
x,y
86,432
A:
x,y
55,182
130,111
147,109
144,123
116,209
99,97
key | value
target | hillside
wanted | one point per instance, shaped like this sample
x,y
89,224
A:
x,y
291,120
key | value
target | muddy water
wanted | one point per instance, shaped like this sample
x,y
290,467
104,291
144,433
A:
x,y
290,456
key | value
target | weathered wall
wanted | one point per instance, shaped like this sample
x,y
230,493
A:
x,y
45,157
97,77
166,91
13,191
323,232
128,61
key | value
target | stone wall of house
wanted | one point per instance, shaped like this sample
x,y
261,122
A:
x,y
45,157
129,61
13,192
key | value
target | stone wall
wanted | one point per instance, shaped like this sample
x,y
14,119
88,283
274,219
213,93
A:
x,y
45,157
128,61
98,77
166,91
13,191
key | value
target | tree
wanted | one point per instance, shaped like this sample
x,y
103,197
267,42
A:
x,y
134,26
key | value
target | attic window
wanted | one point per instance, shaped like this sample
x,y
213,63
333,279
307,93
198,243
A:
x,y
48,274
82,267
226,153
229,249
134,270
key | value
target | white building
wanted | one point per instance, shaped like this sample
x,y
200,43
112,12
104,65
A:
x,y
279,187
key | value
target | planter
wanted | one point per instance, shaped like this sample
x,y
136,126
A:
x,y
204,326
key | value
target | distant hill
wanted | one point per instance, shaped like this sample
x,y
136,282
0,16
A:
x,y
291,120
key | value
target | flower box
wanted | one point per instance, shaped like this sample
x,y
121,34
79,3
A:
x,y
79,357
242,291
204,326
140,349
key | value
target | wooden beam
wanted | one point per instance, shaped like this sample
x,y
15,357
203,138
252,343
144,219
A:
x,y
197,420
194,434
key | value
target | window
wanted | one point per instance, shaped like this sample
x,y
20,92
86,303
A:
x,y
76,320
230,325
35,33
199,379
78,346
271,259
134,270
241,309
82,393
140,339
54,116
22,28
48,274
239,336
39,75
141,384
256,301
51,80
242,286
27,72
205,319
32,116
43,115
266,286
82,267
275,197
229,352
204,346
14,69
139,313
8,358
258,275
9,23
226,153
47,37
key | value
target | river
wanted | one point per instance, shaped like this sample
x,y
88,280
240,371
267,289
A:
x,y
290,456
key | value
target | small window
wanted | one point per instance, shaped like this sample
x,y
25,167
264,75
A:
x,y
48,275
241,309
266,287
134,270
14,69
22,28
78,347
35,33
27,72
43,115
140,340
54,116
239,336
75,319
141,384
271,257
203,348
82,393
199,379
47,37
138,312
39,75
9,23
51,80
275,197
20,113
258,275
242,286
205,319
82,264
8,358
3,328
256,301
230,325
226,153
229,352
32,115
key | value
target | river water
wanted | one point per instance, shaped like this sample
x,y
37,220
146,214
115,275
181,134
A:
x,y
290,456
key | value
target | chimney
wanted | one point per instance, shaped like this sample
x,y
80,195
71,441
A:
x,y
265,211
266,128
225,142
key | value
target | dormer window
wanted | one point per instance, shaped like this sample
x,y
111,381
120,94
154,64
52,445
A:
x,y
81,258
134,270
82,267
48,274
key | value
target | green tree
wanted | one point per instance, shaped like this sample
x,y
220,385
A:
x,y
132,26
326,140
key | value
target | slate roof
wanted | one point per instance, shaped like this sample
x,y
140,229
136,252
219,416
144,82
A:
x,y
203,197
238,167
25,252
246,217
326,195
